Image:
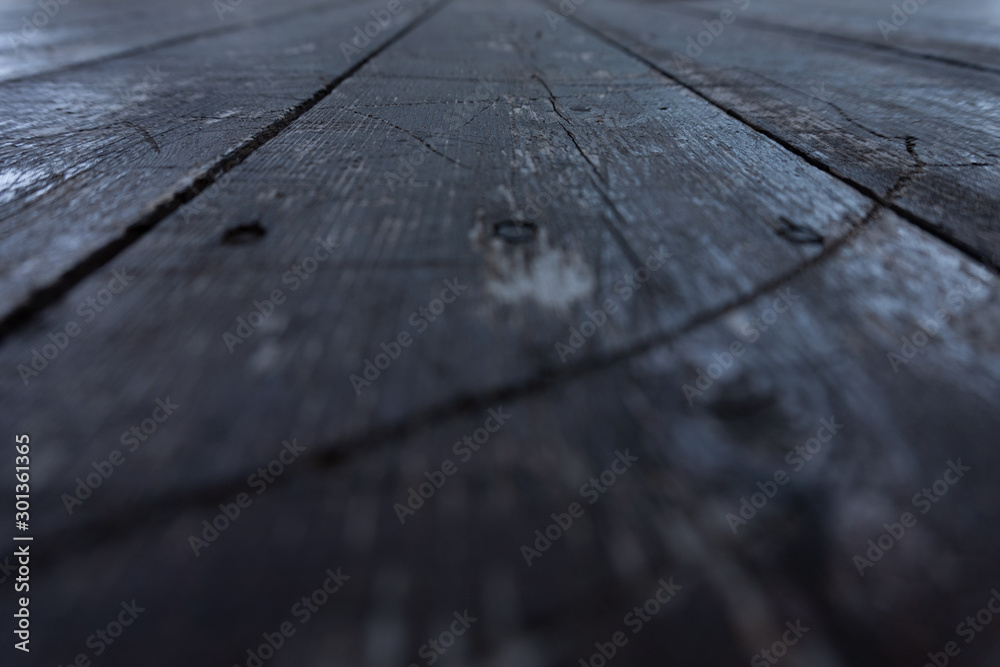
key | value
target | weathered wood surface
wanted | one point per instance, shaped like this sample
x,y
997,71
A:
x,y
42,36
126,141
491,107
886,122
962,33
627,201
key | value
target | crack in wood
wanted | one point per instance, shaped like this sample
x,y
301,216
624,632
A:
x,y
795,31
887,201
144,133
174,41
43,297
324,456
420,139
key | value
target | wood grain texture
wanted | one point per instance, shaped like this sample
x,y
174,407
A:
x,y
42,37
926,142
92,157
529,170
325,176
664,517
962,33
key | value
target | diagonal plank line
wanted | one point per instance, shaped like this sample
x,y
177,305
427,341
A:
x,y
795,31
43,297
342,451
176,40
886,201
338,452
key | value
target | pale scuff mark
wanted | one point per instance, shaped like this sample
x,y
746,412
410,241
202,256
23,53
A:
x,y
13,181
551,277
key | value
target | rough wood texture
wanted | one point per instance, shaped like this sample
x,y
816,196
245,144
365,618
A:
x,y
72,33
125,142
528,167
883,121
962,33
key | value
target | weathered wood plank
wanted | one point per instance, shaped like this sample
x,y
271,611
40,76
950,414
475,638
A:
x,y
676,173
39,37
644,163
665,516
963,33
86,168
918,134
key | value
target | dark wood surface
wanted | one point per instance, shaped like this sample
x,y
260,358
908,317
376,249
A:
x,y
801,169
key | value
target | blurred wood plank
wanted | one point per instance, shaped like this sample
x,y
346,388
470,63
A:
x,y
963,33
528,170
823,361
46,36
674,175
920,135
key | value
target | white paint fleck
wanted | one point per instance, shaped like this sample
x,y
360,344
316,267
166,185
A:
x,y
495,45
551,277
13,180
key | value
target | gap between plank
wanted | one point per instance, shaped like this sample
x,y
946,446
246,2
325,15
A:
x,y
172,41
324,456
341,451
43,297
887,201
766,25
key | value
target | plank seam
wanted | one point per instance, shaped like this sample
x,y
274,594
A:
x,y
768,26
172,41
886,201
325,456
43,297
